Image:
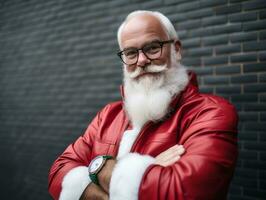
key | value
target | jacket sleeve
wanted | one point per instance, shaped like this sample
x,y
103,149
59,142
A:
x,y
69,171
206,168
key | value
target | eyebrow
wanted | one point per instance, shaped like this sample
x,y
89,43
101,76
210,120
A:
x,y
146,43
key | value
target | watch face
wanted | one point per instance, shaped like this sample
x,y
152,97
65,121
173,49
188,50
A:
x,y
96,164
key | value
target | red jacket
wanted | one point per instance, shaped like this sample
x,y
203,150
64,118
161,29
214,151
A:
x,y
204,124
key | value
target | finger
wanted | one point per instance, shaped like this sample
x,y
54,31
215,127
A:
x,y
169,158
180,150
169,162
170,150
176,149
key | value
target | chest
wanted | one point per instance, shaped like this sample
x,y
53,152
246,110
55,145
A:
x,y
152,139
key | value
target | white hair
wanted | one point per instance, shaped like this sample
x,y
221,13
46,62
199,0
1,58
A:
x,y
166,23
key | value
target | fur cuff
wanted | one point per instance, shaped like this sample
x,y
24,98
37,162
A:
x,y
127,176
74,183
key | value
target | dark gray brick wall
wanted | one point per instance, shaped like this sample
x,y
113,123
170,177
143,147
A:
x,y
58,68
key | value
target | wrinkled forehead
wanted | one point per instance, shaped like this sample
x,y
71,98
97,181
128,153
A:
x,y
143,25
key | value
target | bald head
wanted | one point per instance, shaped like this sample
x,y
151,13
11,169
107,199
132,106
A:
x,y
156,17
140,25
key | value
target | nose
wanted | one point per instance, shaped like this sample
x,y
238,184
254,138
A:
x,y
143,60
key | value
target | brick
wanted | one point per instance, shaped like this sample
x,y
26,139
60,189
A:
x,y
182,34
231,69
243,36
254,67
206,3
256,126
237,1
202,32
213,20
263,116
262,56
252,5
224,49
259,165
254,193
215,80
248,117
248,135
262,184
188,6
221,10
234,190
254,107
173,1
203,70
244,98
189,24
227,29
262,78
248,154
262,174
200,13
245,182
262,136
214,40
207,90
256,25
228,89
262,97
202,51
191,61
215,60
242,17
262,14
244,79
194,42
255,88
251,57
254,46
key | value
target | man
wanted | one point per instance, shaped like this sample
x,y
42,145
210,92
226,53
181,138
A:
x,y
164,140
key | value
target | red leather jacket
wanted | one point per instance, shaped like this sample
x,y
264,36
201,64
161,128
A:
x,y
204,124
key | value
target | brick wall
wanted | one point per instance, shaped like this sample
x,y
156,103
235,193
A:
x,y
58,68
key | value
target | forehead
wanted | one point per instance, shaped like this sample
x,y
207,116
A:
x,y
142,29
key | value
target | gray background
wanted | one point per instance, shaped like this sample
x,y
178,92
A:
x,y
58,67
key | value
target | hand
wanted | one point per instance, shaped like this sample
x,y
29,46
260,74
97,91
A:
x,y
94,192
170,156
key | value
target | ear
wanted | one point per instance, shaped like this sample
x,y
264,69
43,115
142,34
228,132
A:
x,y
178,50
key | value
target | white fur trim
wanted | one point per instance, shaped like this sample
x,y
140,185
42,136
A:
x,y
127,175
74,183
127,141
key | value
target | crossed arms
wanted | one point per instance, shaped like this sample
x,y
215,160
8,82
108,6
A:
x,y
95,192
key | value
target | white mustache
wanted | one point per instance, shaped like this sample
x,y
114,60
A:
x,y
151,68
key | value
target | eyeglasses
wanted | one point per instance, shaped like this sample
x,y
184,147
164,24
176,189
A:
x,y
152,51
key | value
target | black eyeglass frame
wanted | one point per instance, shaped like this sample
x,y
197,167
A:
x,y
120,53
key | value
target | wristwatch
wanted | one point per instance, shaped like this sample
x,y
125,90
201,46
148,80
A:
x,y
95,167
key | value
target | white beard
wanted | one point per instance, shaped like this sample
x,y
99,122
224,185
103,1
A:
x,y
148,98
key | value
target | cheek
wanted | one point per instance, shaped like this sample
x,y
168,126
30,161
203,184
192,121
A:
x,y
130,68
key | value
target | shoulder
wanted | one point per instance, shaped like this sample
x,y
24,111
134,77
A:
x,y
110,110
210,109
112,106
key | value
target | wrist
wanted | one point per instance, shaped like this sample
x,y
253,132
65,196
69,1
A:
x,y
96,165
105,174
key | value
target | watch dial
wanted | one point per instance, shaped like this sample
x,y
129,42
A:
x,y
96,164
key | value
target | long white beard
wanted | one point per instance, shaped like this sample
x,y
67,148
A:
x,y
148,98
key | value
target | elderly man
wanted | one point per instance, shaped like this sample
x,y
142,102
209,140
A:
x,y
164,140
